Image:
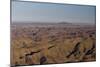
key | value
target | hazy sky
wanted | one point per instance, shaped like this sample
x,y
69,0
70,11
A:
x,y
46,12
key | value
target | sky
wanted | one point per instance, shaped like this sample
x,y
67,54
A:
x,y
50,12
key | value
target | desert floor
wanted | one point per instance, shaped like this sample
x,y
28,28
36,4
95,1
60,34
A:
x,y
33,44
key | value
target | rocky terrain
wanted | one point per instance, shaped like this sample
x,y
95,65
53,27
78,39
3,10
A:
x,y
33,44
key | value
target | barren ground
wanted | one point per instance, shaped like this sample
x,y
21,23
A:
x,y
33,44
